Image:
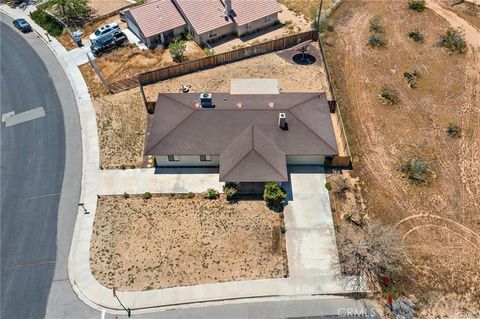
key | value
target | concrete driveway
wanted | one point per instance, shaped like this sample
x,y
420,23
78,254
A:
x,y
311,245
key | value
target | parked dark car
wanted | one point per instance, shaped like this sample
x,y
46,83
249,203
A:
x,y
22,25
108,43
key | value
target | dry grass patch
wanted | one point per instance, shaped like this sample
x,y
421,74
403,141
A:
x,y
438,221
168,241
102,7
291,77
121,123
66,40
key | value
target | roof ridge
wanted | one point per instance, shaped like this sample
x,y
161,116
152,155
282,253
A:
x,y
260,154
303,102
173,129
243,157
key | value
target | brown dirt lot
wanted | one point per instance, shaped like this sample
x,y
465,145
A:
x,y
169,241
121,123
291,77
439,222
469,11
102,7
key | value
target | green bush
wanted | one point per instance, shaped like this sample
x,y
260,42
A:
x,y
126,195
177,49
389,95
230,191
190,195
416,169
453,40
147,195
454,130
328,186
46,22
211,194
416,36
416,5
274,195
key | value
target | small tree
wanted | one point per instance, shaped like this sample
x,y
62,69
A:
x,y
416,5
211,194
370,252
453,40
416,169
389,95
177,48
190,195
274,195
454,130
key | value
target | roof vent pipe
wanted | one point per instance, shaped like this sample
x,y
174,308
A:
x,y
228,7
282,121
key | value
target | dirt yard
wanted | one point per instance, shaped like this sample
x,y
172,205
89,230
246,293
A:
x,y
439,222
121,123
291,77
102,7
467,10
175,241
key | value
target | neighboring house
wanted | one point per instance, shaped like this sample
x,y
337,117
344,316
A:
x,y
251,138
155,22
206,20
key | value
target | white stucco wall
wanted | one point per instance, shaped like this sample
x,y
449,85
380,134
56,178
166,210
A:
x,y
187,160
305,159
256,25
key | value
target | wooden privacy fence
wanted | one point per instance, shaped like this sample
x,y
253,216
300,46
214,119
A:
x,y
226,57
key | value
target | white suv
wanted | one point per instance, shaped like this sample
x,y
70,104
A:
x,y
103,30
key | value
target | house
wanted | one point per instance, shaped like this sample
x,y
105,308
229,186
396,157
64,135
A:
x,y
155,22
206,20
250,137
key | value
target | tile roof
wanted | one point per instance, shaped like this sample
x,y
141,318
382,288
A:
x,y
243,129
204,15
246,11
156,17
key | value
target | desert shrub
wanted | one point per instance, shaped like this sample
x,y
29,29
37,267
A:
x,y
189,36
177,49
229,191
453,130
416,5
48,23
416,36
411,78
328,186
376,25
377,36
126,195
453,40
274,195
211,194
190,195
376,40
389,95
147,195
416,169
208,52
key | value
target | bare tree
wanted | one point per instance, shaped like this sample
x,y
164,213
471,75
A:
x,y
369,252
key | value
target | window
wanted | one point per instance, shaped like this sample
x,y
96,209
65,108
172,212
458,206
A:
x,y
267,19
173,158
212,34
249,26
205,158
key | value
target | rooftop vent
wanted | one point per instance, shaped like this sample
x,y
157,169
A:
x,y
206,100
282,121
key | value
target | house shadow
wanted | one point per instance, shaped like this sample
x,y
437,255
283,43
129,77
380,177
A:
x,y
247,37
186,170
300,169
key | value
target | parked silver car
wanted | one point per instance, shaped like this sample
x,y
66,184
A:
x,y
104,30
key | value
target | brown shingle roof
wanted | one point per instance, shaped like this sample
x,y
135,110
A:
x,y
246,11
156,17
253,157
204,15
